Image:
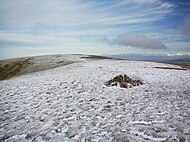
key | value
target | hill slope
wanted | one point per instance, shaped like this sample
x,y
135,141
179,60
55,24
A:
x,y
20,66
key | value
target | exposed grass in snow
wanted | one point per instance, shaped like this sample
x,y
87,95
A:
x,y
185,65
95,57
171,68
14,67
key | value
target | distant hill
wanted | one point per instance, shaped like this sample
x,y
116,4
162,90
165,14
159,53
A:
x,y
154,58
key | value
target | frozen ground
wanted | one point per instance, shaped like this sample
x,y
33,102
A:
x,y
71,103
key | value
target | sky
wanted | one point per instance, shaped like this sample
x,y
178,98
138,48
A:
x,y
101,27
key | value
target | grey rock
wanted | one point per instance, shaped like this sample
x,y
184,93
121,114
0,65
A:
x,y
72,131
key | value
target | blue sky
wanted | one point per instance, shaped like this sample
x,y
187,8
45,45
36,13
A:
x,y
39,27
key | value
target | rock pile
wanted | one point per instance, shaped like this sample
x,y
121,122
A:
x,y
123,81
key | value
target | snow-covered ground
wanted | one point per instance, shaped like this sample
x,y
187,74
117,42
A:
x,y
71,103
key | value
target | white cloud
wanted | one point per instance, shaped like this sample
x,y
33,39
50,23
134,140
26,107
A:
x,y
137,40
179,54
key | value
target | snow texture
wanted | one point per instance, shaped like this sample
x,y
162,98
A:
x,y
71,103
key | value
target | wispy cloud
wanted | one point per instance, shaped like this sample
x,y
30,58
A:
x,y
186,26
24,39
142,1
137,40
59,12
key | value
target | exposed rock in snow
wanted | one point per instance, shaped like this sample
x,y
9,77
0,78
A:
x,y
123,81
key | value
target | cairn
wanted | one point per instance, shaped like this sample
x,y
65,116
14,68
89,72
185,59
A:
x,y
123,81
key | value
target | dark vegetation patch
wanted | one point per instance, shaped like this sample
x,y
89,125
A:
x,y
185,65
170,68
11,69
95,57
123,81
60,62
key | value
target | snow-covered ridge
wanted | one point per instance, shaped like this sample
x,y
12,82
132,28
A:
x,y
19,66
71,103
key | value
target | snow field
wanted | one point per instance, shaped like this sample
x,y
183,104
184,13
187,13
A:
x,y
71,103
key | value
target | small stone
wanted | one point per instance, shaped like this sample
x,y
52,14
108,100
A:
x,y
107,106
181,139
72,131
120,137
119,116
